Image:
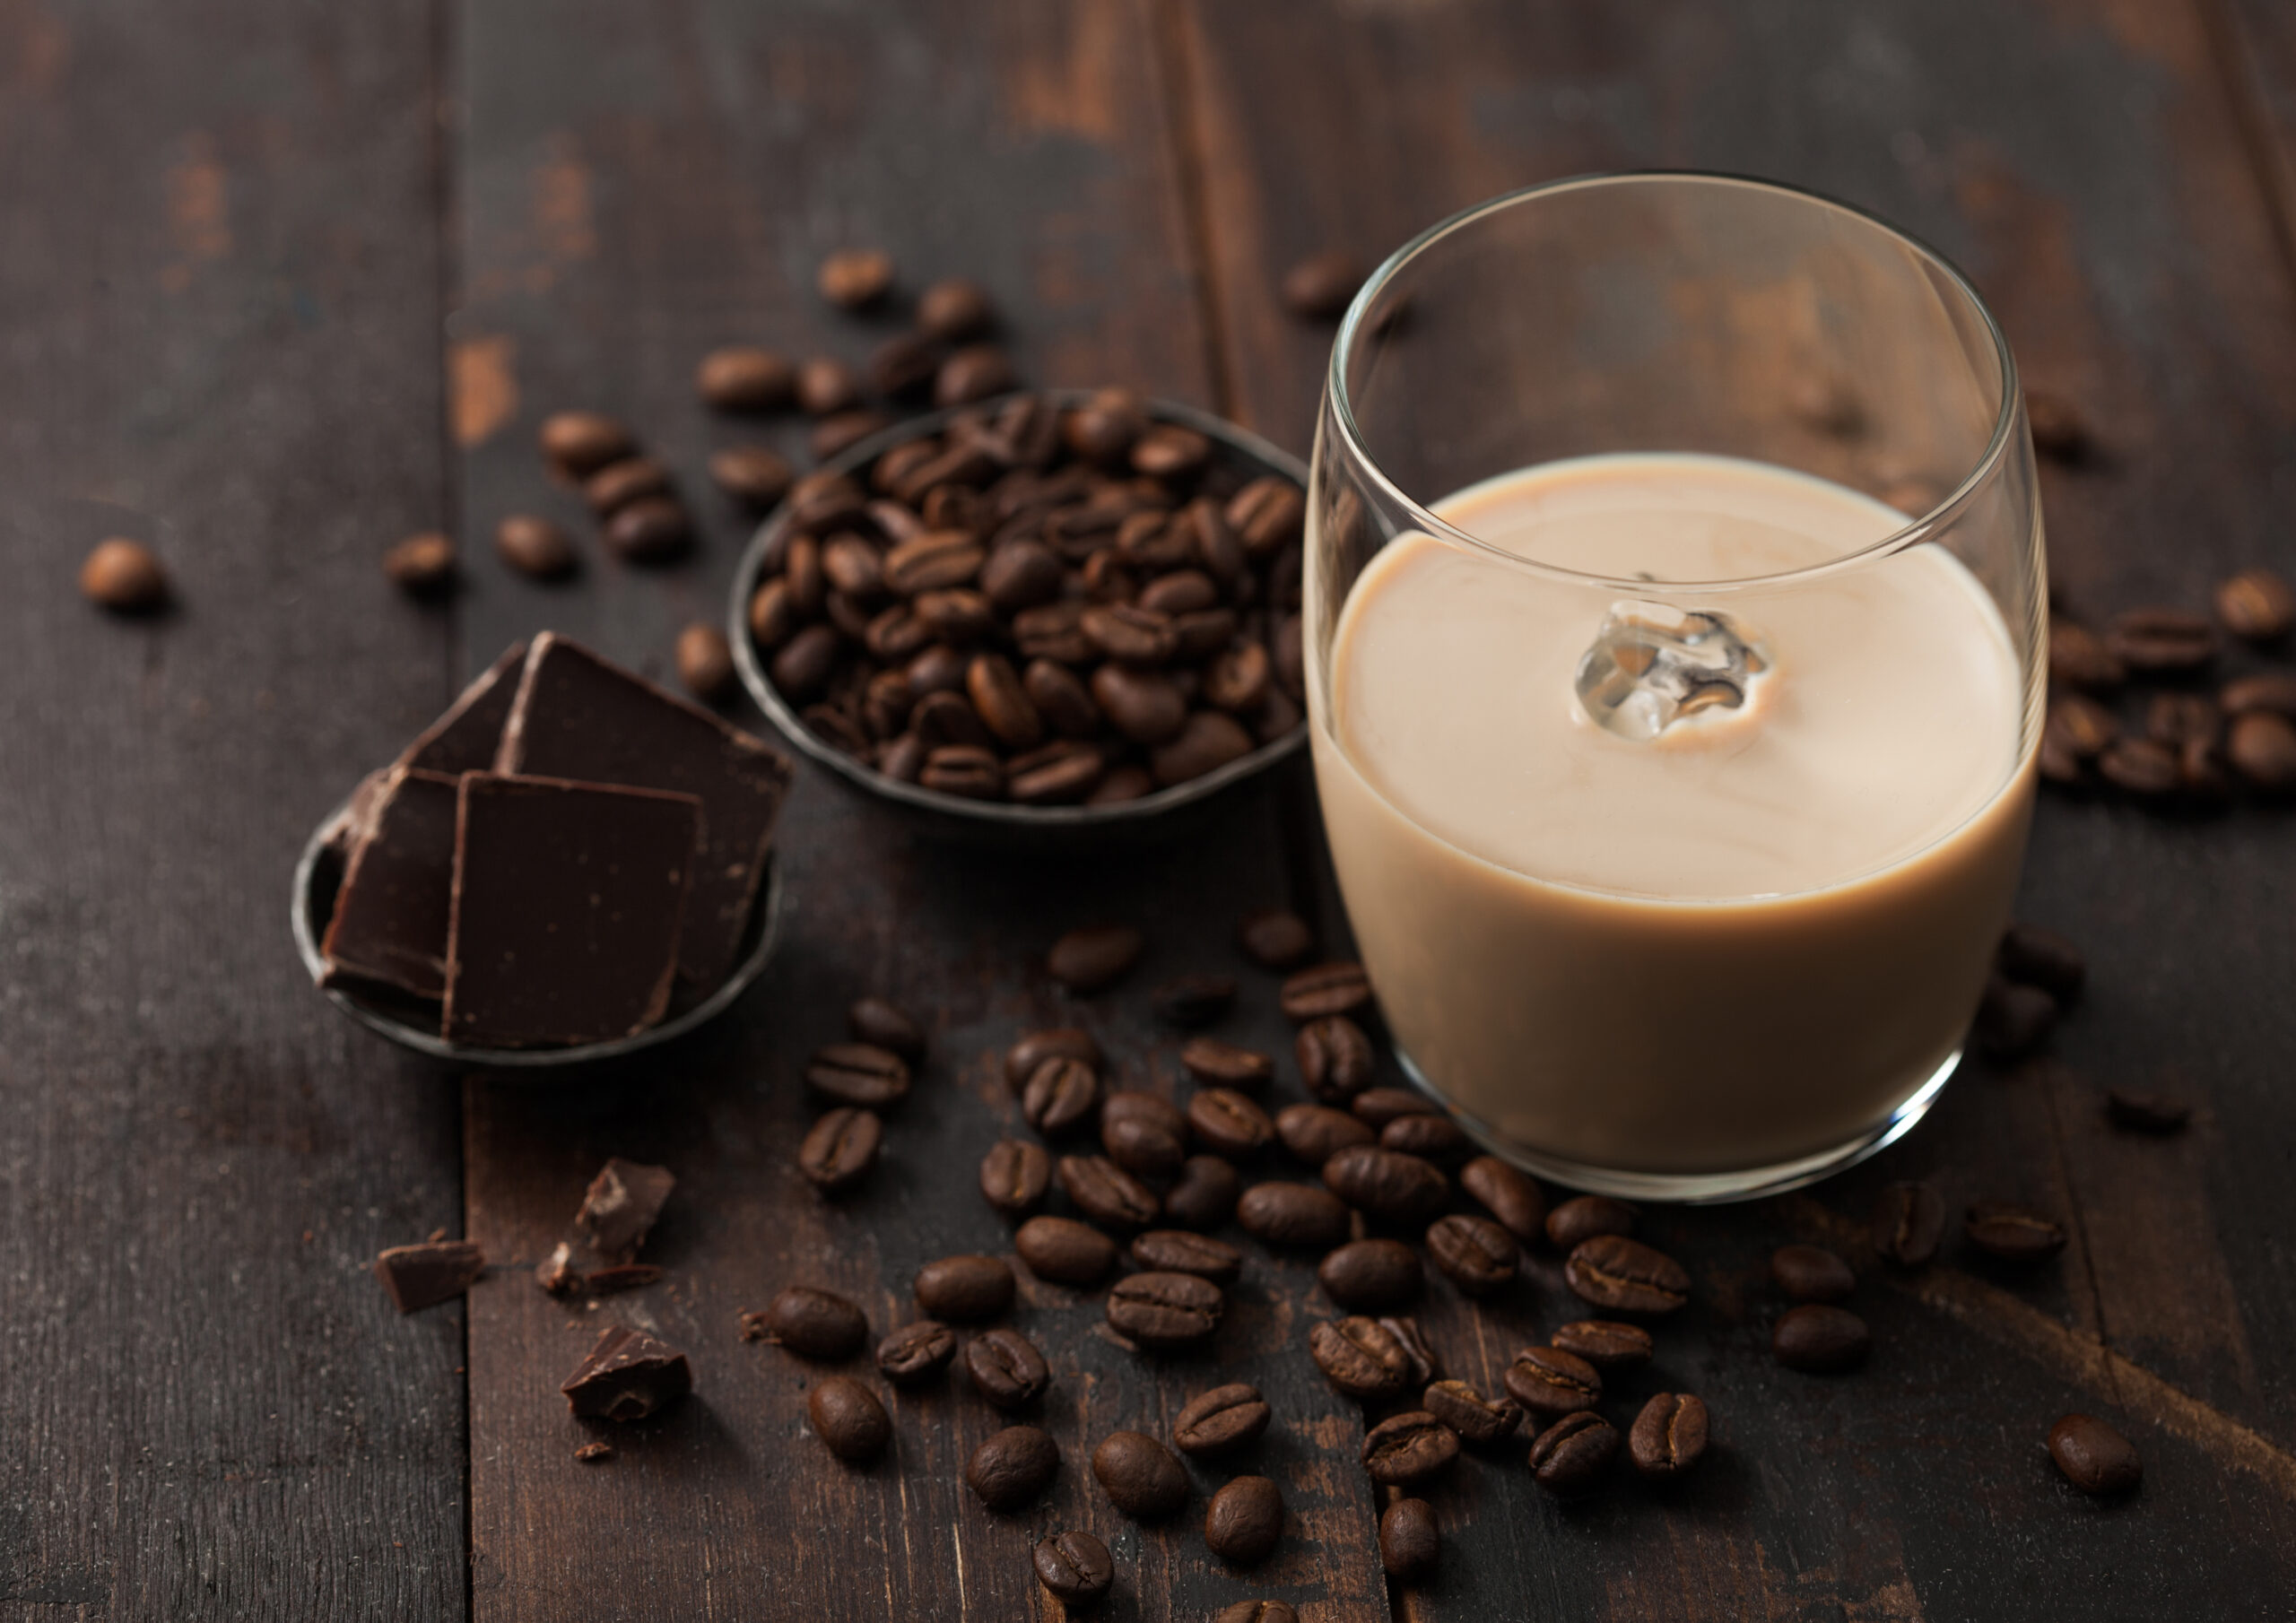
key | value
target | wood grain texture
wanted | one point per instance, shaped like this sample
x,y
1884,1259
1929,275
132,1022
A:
x,y
212,1410
2082,163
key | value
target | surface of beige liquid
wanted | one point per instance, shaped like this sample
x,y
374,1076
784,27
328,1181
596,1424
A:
x,y
1744,942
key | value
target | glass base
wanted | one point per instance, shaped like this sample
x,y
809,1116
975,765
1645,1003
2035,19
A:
x,y
1698,1188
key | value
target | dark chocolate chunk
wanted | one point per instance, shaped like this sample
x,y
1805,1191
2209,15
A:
x,y
621,1276
466,738
392,913
579,716
627,1376
422,1276
568,906
622,1204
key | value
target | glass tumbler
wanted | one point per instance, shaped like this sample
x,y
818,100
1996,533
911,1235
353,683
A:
x,y
1674,619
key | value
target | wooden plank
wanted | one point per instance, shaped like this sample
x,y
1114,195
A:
x,y
639,188
219,303
2083,165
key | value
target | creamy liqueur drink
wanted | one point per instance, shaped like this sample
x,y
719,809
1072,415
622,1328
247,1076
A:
x,y
1740,940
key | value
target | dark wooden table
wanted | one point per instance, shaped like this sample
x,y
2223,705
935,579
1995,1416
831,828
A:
x,y
280,283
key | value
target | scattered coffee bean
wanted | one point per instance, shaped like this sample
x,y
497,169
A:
x,y
953,310
2273,691
1149,1146
884,1025
1178,1251
1006,1366
853,278
1203,1195
2257,605
2079,658
705,662
840,1149
1015,1175
754,474
903,367
1378,1108
1817,1339
742,378
1275,938
1393,1187
1475,1254
1909,1221
1256,1612
1625,1276
1061,1042
1292,1214
2141,767
1320,287
1221,1420
1607,1345
1105,1193
826,386
2034,957
650,530
2080,726
1139,1475
1074,1568
1548,1381
2162,639
1570,1453
534,547
840,432
1065,1251
816,1324
2262,749
2146,1111
1010,1471
965,1288
2094,1457
421,566
1337,1060
1209,1059
2012,1020
1193,1000
1507,1193
1360,1357
1430,1138
1371,1276
1095,956
848,1418
1578,1221
1409,1541
916,1352
1314,1133
581,442
1228,1123
1479,1421
2014,1233
977,371
1420,1364
1811,1273
1165,1312
620,483
1669,1435
1406,1449
858,1073
1244,1521
1062,1097
1325,990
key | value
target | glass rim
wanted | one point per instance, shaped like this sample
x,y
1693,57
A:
x,y
1352,326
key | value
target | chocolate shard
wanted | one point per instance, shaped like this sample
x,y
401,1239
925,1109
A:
x,y
577,716
621,1276
356,820
422,1276
557,1273
392,910
627,1376
466,738
620,1206
568,903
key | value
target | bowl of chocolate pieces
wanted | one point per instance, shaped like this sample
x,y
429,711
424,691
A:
x,y
570,864
1060,612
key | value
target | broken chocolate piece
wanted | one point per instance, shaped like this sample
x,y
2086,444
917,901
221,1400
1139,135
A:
x,y
391,913
594,1454
577,716
627,1376
567,901
622,1204
468,736
558,1275
422,1276
621,1276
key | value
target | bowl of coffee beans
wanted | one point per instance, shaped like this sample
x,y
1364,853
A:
x,y
1070,611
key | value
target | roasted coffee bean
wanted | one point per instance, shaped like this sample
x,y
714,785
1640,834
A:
x,y
1420,1363
1203,1195
1062,1097
1325,990
1015,1175
2146,1111
823,499
886,1025
916,1352
968,770
1052,631
1371,1276
2257,605
1139,1104
1507,1193
1605,1343
802,668
1292,1214
853,278
1065,1251
1625,1276
2182,719
1012,1470
953,309
1475,1254
1393,1187
904,366
1150,1148
1320,287
1430,1138
1135,635
1811,1273
1074,1568
1060,700
1178,1251
858,1073
1094,957
650,529
1190,1001
1409,1541
840,1149
2162,639
1479,1421
1909,1221
1337,1060
1221,1420
1167,451
1144,706
853,566
1120,786
2034,957
978,371
2078,658
2262,749
1267,514
1061,1042
1256,1612
1006,1366
849,1419
898,636
1404,1450
964,1289
1314,1133
1244,1521
1020,575
934,562
534,547
816,1324
1548,1381
1578,1221
1105,1193
902,759
1669,1435
1376,1107
2080,726
1165,1312
579,442
1004,704
829,723
1570,1453
2273,691
2012,1020
1817,1339
1207,742
1360,1357
1139,1475
421,566
1275,938
618,484
705,662
1060,773
2014,1233
1181,592
1237,682
742,377
2094,1457
1228,1123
